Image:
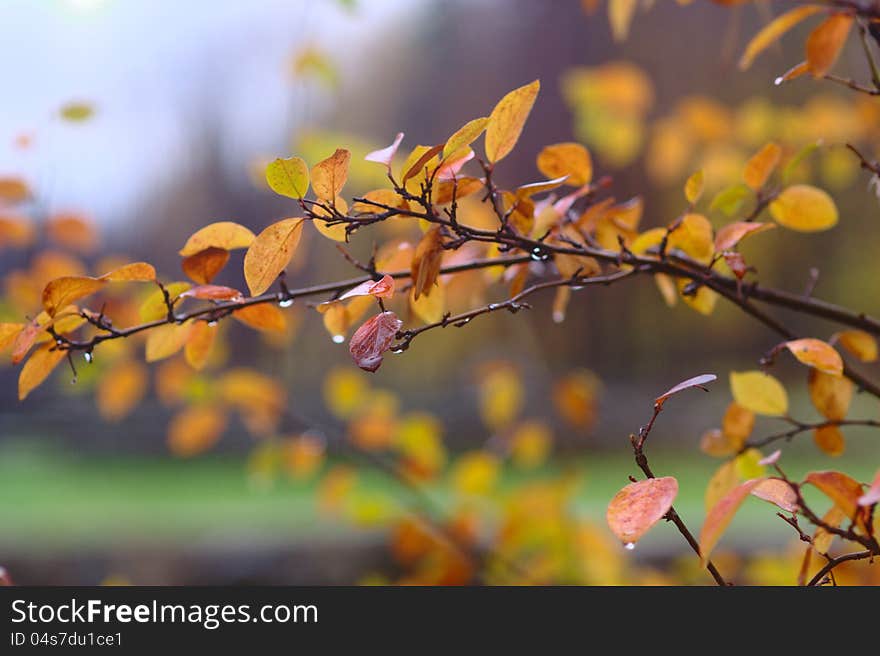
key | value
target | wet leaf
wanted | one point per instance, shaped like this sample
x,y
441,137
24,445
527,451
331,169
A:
x,y
638,506
370,342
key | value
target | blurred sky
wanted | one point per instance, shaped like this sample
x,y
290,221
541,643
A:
x,y
150,68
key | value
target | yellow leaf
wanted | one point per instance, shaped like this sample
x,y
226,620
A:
x,y
166,340
860,343
693,188
831,395
720,516
738,423
759,392
329,175
761,166
714,442
195,430
429,308
638,506
771,32
693,235
530,444
336,232
475,473
843,490
345,390
77,112
8,333
465,136
566,159
426,262
825,43
804,208
817,354
288,177
270,253
134,272
748,464
121,389
37,369
223,234
830,440
501,395
153,308
703,301
507,120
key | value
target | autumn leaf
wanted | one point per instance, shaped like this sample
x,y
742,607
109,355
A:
x,y
382,288
843,490
817,354
693,187
166,340
288,177
121,389
831,395
773,30
153,308
825,43
72,231
270,253
777,492
199,344
263,317
213,293
226,235
134,272
697,381
858,342
369,342
37,368
329,175
386,155
761,166
759,392
465,136
203,266
638,506
63,291
804,208
720,516
569,160
507,120
195,430
8,333
732,234
426,262
830,440
620,15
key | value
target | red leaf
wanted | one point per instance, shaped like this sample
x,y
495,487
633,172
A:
x,y
372,339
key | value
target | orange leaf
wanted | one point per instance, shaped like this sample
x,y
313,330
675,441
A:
x,y
121,389
507,120
721,514
831,395
224,234
63,291
270,253
830,440
134,272
840,488
72,231
825,43
426,262
858,342
638,506
201,267
771,32
566,159
195,430
817,354
8,333
262,317
199,344
761,166
37,369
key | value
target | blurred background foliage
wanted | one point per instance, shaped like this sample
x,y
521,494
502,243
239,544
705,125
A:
x,y
134,124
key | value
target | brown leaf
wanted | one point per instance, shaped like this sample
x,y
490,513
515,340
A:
x,y
638,506
372,339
